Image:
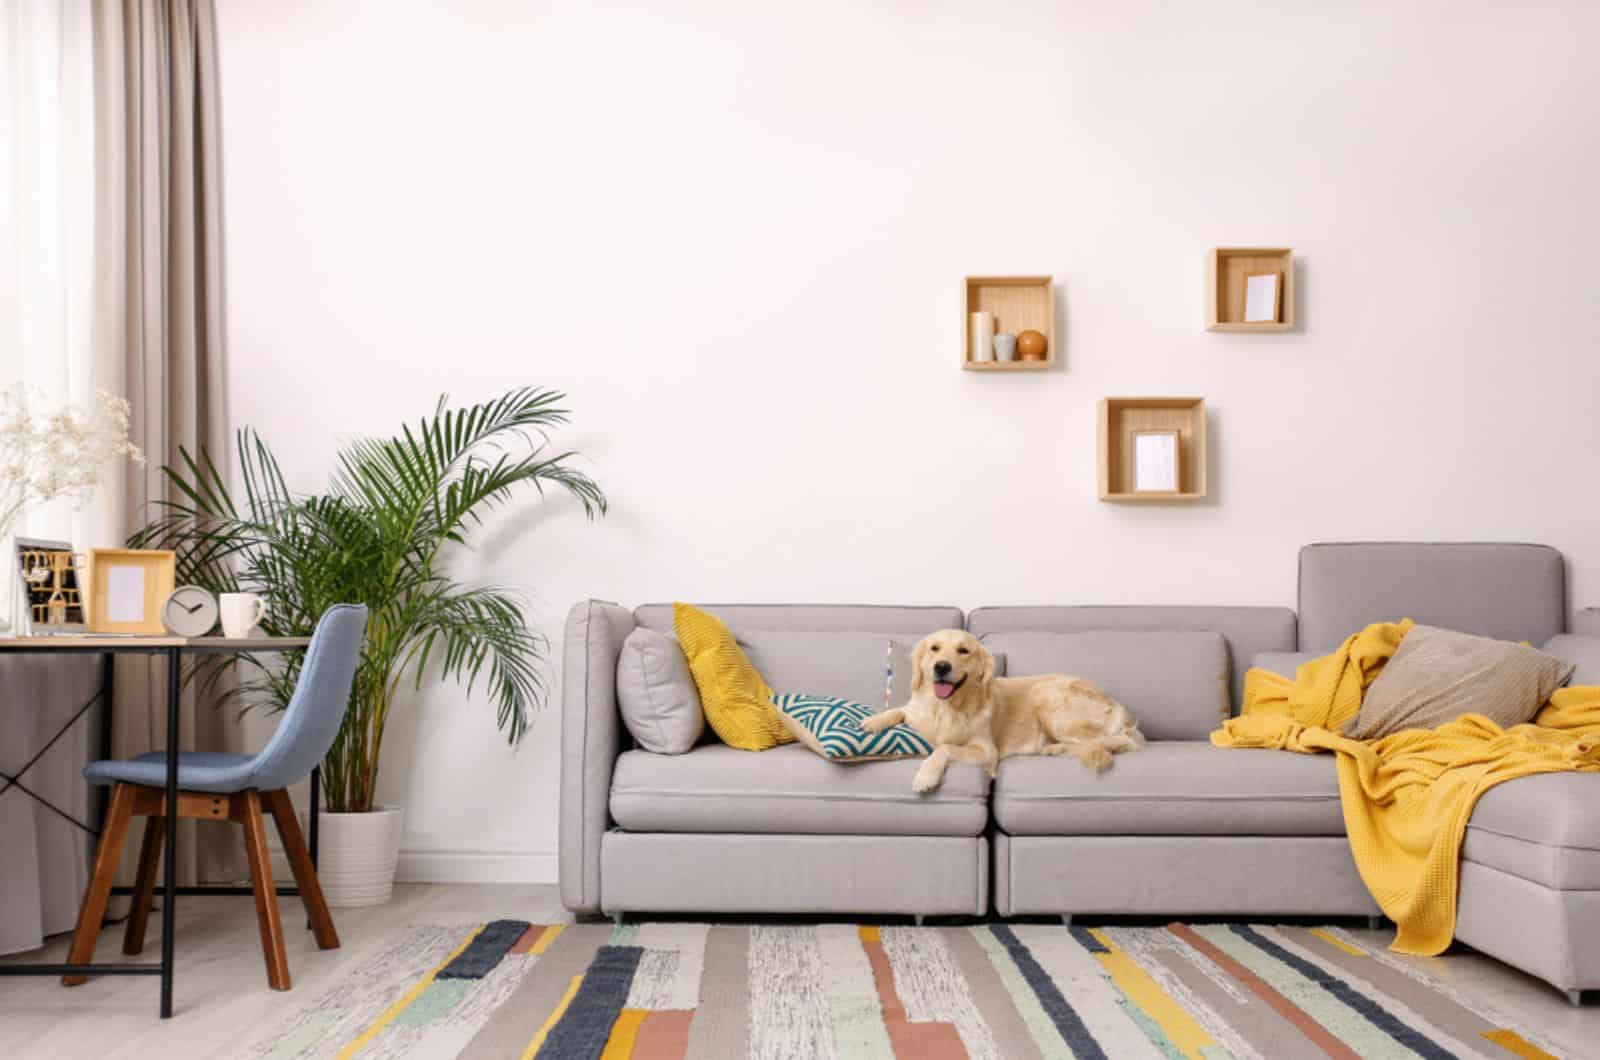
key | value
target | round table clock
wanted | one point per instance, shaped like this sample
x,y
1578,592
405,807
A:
x,y
189,612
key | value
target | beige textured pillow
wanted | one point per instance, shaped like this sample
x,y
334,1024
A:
x,y
1437,675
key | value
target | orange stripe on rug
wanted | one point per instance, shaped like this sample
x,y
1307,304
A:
x,y
546,940
910,1041
1516,1044
624,1033
1318,1034
664,1035
537,939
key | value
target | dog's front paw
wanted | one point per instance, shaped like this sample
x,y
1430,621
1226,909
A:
x,y
1097,759
876,723
926,780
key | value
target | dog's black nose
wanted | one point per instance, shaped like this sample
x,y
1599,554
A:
x,y
941,668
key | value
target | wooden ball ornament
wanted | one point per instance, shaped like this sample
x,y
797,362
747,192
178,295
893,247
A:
x,y
1030,345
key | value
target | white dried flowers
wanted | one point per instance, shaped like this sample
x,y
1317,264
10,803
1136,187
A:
x,y
51,451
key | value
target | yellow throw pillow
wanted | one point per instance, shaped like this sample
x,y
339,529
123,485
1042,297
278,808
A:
x,y
737,701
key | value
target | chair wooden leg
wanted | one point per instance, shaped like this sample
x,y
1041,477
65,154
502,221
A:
x,y
92,914
144,885
247,811
305,873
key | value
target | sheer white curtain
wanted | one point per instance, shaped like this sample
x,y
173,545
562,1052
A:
x,y
60,324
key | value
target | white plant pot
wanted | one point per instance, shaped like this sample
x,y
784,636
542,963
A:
x,y
356,855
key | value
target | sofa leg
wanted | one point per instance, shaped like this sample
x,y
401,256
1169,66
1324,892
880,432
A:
x,y
917,918
1066,919
1575,997
1375,923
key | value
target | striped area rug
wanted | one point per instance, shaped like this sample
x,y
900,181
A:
x,y
663,991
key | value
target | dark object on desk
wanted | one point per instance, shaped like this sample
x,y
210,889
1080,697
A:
x,y
231,787
52,597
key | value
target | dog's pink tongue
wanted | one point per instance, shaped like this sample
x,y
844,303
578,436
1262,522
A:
x,y
944,689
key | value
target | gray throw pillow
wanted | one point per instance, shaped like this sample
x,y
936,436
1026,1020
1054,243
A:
x,y
655,690
1437,675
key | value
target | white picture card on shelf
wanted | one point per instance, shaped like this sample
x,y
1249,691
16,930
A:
x,y
1155,461
1262,298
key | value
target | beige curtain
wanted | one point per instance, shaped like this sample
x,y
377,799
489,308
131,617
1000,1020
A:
x,y
156,78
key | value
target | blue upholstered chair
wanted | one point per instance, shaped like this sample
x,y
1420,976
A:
x,y
233,787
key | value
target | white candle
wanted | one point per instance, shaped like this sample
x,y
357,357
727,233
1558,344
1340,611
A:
x,y
982,337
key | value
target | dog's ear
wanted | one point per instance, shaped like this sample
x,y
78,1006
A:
x,y
986,677
917,654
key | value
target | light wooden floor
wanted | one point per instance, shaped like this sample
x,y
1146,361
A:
x,y
222,1004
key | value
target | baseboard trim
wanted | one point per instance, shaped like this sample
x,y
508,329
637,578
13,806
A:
x,y
456,866
475,866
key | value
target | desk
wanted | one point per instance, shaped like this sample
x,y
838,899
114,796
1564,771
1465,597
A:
x,y
173,649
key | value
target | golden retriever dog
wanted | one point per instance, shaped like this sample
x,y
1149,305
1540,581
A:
x,y
970,715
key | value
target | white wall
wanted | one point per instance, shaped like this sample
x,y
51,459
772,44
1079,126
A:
x,y
736,239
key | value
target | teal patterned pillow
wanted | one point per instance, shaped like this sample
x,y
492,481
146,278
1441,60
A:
x,y
831,727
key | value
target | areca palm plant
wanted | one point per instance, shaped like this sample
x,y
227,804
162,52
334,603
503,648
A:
x,y
378,536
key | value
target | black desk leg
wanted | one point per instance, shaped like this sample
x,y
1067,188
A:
x,y
316,801
169,881
108,686
311,817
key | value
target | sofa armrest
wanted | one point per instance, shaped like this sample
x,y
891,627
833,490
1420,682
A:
x,y
1284,663
591,739
1587,621
1581,650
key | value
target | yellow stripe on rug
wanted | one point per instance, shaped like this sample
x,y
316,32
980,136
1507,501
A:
x,y
405,1000
624,1033
1516,1044
1180,1028
546,939
555,1017
1338,943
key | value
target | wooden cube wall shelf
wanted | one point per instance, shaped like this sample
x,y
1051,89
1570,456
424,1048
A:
x,y
1019,303
1120,417
1226,269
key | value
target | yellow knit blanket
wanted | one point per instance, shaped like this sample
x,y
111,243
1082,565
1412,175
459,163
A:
x,y
1407,796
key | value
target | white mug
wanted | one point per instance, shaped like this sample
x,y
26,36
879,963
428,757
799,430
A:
x,y
240,613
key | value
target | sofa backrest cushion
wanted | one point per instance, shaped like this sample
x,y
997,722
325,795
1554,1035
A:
x,y
1505,591
824,650
1247,630
1174,683
912,622
1583,651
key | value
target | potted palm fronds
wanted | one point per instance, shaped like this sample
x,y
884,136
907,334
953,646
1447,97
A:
x,y
378,536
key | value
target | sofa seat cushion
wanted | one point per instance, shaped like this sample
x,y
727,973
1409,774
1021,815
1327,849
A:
x,y
791,790
1179,787
1545,829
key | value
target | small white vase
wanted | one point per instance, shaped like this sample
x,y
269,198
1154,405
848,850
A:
x,y
357,854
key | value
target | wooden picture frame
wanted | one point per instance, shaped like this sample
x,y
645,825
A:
x,y
127,587
1227,272
1168,470
1253,312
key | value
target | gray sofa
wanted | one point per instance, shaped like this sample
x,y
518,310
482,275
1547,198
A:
x,y
1180,828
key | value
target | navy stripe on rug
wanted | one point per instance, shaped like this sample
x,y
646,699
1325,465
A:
x,y
1068,1023
485,951
1373,1012
1087,940
583,1030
